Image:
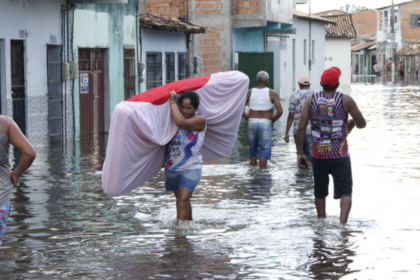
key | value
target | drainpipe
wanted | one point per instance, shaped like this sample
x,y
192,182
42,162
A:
x,y
67,56
191,35
310,42
137,46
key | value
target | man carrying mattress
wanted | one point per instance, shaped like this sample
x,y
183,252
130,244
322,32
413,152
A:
x,y
260,119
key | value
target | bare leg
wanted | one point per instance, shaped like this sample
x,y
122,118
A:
x,y
320,207
253,161
345,205
263,163
183,205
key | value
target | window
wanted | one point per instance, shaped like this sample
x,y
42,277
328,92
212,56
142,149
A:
x,y
414,20
182,66
129,73
313,52
170,67
154,70
304,52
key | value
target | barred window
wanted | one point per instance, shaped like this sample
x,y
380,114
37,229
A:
x,y
154,70
182,66
415,20
170,67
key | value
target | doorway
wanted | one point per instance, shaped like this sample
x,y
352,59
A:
x,y
18,83
91,91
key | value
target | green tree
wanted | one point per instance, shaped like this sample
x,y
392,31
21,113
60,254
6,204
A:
x,y
351,8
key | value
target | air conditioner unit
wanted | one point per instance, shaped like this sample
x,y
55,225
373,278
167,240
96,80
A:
x,y
74,70
65,71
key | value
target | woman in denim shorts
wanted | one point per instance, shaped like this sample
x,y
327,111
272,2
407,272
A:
x,y
11,134
183,160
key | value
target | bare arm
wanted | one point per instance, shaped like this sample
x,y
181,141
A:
x,y
275,98
20,142
351,107
290,119
304,119
248,95
196,123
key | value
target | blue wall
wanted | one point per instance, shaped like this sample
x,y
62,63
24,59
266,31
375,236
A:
x,y
252,39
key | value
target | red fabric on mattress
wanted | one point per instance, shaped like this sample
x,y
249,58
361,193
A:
x,y
160,95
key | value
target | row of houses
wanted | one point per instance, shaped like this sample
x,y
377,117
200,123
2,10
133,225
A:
x,y
65,64
387,36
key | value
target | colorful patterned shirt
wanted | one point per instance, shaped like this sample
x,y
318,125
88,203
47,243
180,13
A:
x,y
329,126
297,100
184,150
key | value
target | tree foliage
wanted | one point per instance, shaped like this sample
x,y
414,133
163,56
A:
x,y
351,8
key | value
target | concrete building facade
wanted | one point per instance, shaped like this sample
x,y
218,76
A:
x,y
105,47
227,22
32,49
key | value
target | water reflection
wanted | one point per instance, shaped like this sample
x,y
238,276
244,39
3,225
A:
x,y
332,253
248,223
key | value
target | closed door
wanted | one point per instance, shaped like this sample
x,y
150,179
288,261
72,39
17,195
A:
x,y
55,98
18,83
91,91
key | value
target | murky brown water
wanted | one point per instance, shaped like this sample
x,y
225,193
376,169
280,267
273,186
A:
x,y
249,223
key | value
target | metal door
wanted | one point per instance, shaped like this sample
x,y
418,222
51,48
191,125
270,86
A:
x,y
91,91
18,83
251,63
55,97
129,73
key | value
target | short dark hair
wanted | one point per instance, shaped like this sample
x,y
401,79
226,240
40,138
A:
x,y
191,95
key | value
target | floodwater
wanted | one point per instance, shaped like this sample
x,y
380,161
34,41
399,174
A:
x,y
248,223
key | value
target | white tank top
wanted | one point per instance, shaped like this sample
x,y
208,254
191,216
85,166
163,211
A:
x,y
260,99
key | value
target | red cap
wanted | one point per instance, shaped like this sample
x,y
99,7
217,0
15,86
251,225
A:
x,y
331,77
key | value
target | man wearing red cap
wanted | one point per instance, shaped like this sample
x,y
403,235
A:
x,y
328,114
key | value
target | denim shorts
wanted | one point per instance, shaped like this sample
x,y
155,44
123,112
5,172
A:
x,y
307,151
340,170
185,179
4,216
259,135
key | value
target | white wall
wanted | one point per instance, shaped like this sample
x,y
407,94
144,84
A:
x,y
338,54
161,41
41,20
86,26
280,11
286,79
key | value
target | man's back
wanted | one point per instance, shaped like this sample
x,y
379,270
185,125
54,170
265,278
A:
x,y
297,100
260,99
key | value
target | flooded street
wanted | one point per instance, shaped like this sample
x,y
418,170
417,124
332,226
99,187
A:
x,y
248,223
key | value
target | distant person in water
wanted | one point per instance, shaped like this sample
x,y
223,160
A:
x,y
376,70
184,161
297,100
260,119
10,133
328,112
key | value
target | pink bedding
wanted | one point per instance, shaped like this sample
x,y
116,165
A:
x,y
142,125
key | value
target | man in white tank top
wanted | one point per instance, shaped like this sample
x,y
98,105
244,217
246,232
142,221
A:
x,y
260,119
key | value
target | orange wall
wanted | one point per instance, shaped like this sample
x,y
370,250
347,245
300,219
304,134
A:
x,y
409,33
365,22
